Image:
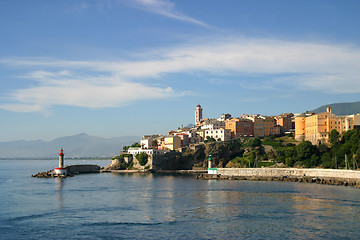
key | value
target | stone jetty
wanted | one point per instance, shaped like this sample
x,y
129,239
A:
x,y
50,174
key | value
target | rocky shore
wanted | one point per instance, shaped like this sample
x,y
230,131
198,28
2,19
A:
x,y
304,179
49,174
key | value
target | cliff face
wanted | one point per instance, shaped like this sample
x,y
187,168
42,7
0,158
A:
x,y
221,153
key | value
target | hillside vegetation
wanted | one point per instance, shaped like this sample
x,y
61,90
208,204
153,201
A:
x,y
343,152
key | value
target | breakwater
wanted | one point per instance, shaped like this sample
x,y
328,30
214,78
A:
x,y
320,176
71,171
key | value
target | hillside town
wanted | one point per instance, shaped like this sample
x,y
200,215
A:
x,y
311,127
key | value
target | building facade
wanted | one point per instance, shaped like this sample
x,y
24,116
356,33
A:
x,y
172,142
218,134
263,125
317,127
240,127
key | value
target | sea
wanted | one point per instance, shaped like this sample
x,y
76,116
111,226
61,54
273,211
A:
x,y
168,206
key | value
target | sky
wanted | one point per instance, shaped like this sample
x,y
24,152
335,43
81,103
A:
x,y
113,68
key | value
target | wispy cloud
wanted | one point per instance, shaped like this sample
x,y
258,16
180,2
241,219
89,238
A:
x,y
164,8
318,67
69,89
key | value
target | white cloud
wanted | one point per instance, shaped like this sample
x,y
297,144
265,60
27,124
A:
x,y
164,8
95,84
89,92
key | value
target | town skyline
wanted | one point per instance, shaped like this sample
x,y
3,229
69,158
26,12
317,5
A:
x,y
128,68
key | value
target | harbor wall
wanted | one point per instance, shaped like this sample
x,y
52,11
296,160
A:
x,y
289,172
87,168
320,176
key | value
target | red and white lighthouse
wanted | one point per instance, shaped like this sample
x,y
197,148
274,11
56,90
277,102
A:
x,y
61,170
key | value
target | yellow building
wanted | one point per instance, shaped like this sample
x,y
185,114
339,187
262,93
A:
x,y
317,127
172,142
300,127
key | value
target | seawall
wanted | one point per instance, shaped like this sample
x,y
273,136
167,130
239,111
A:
x,y
323,176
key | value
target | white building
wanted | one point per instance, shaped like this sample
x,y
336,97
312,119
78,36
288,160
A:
x,y
147,141
223,134
139,150
211,125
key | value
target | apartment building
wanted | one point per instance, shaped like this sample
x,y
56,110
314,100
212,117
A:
x,y
240,127
218,134
317,127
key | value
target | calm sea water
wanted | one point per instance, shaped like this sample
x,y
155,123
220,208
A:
x,y
144,206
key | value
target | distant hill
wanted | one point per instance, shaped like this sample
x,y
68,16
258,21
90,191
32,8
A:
x,y
80,145
340,108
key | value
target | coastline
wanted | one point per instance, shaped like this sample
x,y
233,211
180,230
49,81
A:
x,y
319,176
157,171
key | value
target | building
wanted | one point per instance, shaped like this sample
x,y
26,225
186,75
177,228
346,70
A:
x,y
147,141
317,127
224,117
212,124
198,114
285,122
263,125
184,138
240,127
218,134
172,142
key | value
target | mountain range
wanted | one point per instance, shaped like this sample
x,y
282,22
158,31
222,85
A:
x,y
77,146
348,108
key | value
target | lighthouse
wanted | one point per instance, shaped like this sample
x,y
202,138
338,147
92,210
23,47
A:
x,y
61,170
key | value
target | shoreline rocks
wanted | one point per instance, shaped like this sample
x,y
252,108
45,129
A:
x,y
305,179
49,174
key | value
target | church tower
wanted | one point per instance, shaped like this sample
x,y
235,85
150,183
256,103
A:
x,y
198,114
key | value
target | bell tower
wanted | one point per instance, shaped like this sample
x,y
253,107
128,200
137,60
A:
x,y
198,114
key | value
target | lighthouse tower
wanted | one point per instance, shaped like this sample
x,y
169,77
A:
x,y
61,170
61,158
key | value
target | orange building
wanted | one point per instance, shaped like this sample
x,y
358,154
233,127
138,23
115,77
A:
x,y
240,127
285,122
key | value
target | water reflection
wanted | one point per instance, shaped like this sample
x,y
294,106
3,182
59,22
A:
x,y
59,183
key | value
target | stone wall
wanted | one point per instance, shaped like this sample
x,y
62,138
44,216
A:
x,y
289,172
89,168
168,161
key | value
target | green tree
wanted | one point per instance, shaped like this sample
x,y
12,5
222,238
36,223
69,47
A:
x,y
136,145
254,142
334,137
142,158
327,161
305,151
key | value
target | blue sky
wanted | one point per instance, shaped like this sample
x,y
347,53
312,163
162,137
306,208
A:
x,y
116,68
